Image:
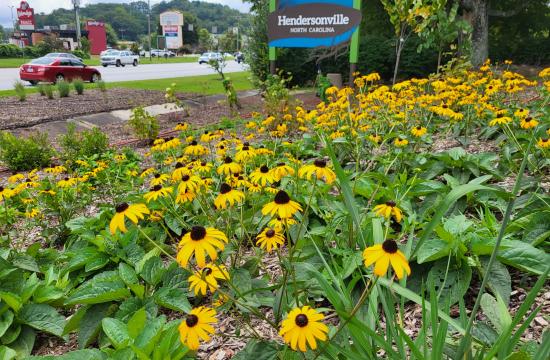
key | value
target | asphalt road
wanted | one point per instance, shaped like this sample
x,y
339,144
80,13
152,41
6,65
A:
x,y
141,72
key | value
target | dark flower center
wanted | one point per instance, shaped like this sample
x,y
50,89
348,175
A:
x,y
207,271
185,177
419,128
389,246
528,119
203,163
157,175
270,233
491,87
320,163
246,143
1,189
198,233
264,169
228,160
245,148
191,320
225,188
444,106
178,165
222,147
282,198
66,179
281,164
156,188
194,142
301,320
240,177
390,203
206,132
121,207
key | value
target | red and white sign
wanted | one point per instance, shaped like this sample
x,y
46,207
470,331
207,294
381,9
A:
x,y
25,15
97,36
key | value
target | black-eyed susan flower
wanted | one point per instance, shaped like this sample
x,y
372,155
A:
x,y
195,149
197,326
157,191
134,212
229,167
159,179
189,183
203,167
279,224
5,193
320,169
207,278
400,142
388,209
181,126
185,196
382,255
16,178
67,182
270,239
228,196
375,138
500,120
543,143
281,206
418,131
528,123
262,176
282,170
303,327
31,214
244,154
521,113
254,188
198,241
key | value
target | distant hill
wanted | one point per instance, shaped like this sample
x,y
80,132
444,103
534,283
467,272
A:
x,y
130,20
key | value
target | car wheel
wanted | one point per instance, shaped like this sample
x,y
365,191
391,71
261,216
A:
x,y
135,63
59,77
118,63
104,65
33,82
95,77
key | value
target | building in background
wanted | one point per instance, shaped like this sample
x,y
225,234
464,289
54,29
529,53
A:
x,y
97,36
171,23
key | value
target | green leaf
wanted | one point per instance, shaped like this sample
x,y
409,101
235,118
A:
x,y
11,334
524,256
152,270
25,262
104,287
258,350
173,299
150,335
433,249
13,300
90,325
127,274
6,319
498,279
87,354
496,312
42,317
451,284
116,331
137,322
6,353
47,293
24,343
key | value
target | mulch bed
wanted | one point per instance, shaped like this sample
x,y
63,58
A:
x,y
39,109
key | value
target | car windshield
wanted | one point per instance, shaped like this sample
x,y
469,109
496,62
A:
x,y
114,52
53,55
43,61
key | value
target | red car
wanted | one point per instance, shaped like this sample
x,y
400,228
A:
x,y
50,69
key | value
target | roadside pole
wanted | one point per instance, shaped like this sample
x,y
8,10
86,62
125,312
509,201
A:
x,y
272,50
149,26
76,4
354,48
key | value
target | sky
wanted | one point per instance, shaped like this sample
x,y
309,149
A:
x,y
47,6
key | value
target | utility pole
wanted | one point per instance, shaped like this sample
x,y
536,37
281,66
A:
x,y
12,19
76,4
149,26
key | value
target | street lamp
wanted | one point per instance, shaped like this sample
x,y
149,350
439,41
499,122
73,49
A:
x,y
76,4
12,19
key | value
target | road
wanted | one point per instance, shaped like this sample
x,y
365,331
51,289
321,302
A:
x,y
141,72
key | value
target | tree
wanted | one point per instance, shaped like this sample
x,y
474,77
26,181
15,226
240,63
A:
x,y
477,15
256,53
206,42
2,32
112,38
228,42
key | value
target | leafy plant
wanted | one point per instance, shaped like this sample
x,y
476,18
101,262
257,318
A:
x,y
20,153
101,86
42,89
20,91
86,143
78,86
143,125
48,91
63,88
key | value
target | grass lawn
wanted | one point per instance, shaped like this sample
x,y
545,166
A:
x,y
202,84
94,61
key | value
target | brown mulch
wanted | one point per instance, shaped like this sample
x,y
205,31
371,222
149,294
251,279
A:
x,y
39,109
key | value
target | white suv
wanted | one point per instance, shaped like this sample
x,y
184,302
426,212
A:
x,y
206,57
119,58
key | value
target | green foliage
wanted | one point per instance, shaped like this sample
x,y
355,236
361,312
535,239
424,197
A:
x,y
81,53
19,153
101,86
20,91
63,88
78,86
144,125
206,42
48,91
42,89
86,143
10,51
256,52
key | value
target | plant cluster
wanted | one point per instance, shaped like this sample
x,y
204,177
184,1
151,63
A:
x,y
324,229
63,88
21,153
144,125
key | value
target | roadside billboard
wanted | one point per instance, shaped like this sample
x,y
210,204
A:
x,y
171,22
25,15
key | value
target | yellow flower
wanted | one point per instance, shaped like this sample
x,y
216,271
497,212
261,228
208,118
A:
x,y
399,142
227,196
279,224
388,209
55,170
203,167
255,188
197,326
229,167
195,149
189,183
159,179
67,182
32,214
281,170
207,278
133,212
521,113
281,206
270,239
262,176
543,143
157,191
528,123
382,255
245,153
418,131
198,241
320,169
500,120
181,126
15,178
5,193
375,138
185,196
303,325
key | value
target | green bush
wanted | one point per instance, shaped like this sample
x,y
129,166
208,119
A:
x,y
101,86
10,51
86,143
48,90
63,88
144,125
81,54
20,153
20,90
42,89
78,86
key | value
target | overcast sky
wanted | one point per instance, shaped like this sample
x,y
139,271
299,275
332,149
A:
x,y
47,6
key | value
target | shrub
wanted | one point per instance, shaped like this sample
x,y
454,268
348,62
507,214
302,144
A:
x,y
42,89
78,86
83,144
10,50
25,153
48,90
81,54
144,125
20,90
63,88
101,86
